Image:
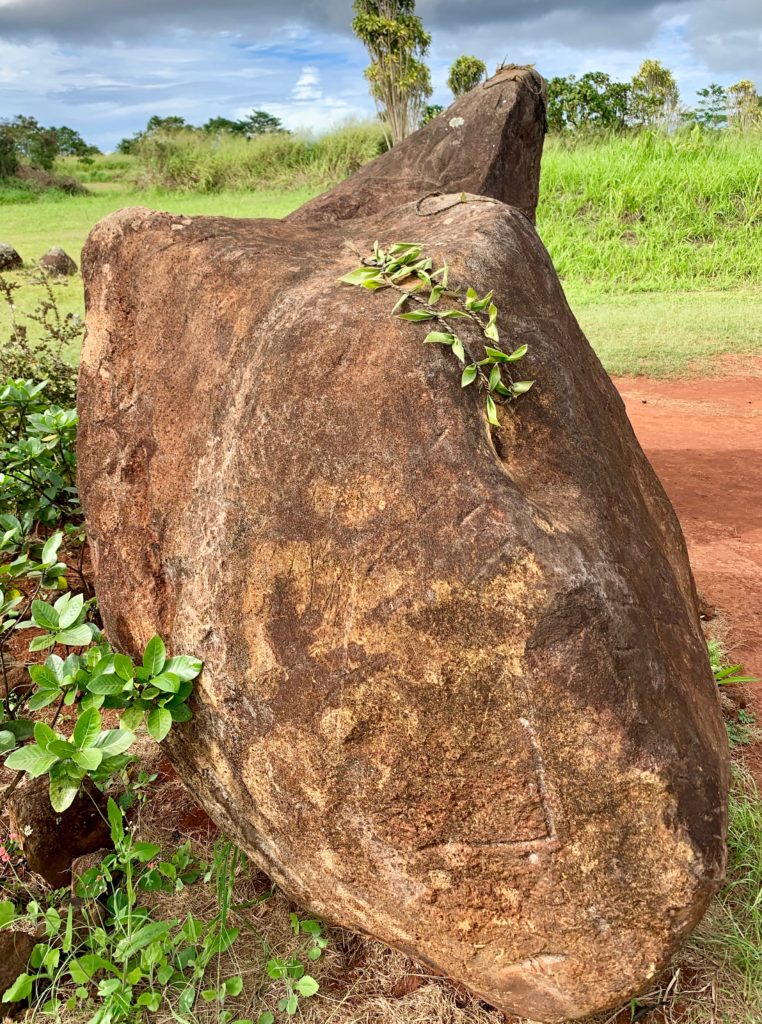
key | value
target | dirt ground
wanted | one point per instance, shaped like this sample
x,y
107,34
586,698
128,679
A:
x,y
704,439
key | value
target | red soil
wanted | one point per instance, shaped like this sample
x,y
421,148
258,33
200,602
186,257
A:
x,y
704,439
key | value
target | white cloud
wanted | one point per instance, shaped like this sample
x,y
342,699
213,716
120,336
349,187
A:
x,y
307,85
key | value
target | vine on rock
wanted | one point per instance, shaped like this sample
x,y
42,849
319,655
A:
x,y
403,268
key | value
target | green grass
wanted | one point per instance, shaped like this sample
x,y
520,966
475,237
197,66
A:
x,y
649,213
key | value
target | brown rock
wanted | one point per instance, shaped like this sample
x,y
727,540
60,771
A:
x,y
9,258
52,841
488,142
58,263
455,691
15,950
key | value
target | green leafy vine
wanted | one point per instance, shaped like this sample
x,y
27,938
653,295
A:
x,y
403,268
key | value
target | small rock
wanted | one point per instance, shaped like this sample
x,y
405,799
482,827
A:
x,y
9,258
15,950
58,262
51,842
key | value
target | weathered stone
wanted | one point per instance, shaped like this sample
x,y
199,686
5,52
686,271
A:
x,y
455,691
9,258
15,950
488,142
58,263
52,841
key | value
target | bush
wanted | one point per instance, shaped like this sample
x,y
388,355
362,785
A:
x,y
193,161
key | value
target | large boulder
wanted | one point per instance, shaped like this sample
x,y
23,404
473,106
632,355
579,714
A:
x,y
57,262
455,691
9,258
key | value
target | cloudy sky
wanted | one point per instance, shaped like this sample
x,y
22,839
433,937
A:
x,y
105,66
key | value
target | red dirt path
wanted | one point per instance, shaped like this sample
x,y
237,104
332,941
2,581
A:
x,y
704,439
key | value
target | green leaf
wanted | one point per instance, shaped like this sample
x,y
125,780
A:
x,y
447,314
131,944
7,913
518,353
469,375
21,989
400,302
61,748
154,656
159,723
306,986
184,666
497,355
7,741
359,275
416,315
78,636
41,643
116,821
114,741
234,986
167,682
44,615
70,612
50,549
44,735
458,351
89,759
520,387
44,676
63,790
32,760
491,332
109,685
492,411
439,338
266,1018
87,728
494,377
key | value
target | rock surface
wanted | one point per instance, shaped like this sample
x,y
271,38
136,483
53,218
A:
x,y
455,691
9,258
52,841
58,262
15,950
488,142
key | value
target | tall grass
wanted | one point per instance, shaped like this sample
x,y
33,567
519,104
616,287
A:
x,y
637,211
194,162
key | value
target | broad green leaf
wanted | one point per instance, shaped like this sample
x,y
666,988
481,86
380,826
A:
x,y
184,666
448,314
306,986
492,411
416,315
61,748
458,351
70,613
87,728
167,682
7,913
114,741
491,332
359,275
266,1018
78,636
7,741
494,377
44,615
131,944
89,759
124,667
41,643
44,676
497,355
50,549
154,656
438,338
159,723
108,685
21,989
32,760
43,734
84,968
234,986
518,353
63,790
42,699
520,387
132,718
469,375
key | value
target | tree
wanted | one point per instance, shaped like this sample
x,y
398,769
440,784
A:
x,y
654,96
220,126
744,106
711,109
32,142
71,143
400,82
155,126
258,122
465,74
430,112
592,101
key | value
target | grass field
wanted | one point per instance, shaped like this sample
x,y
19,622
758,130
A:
x,y
657,241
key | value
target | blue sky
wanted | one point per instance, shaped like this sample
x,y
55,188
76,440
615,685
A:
x,y
105,66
